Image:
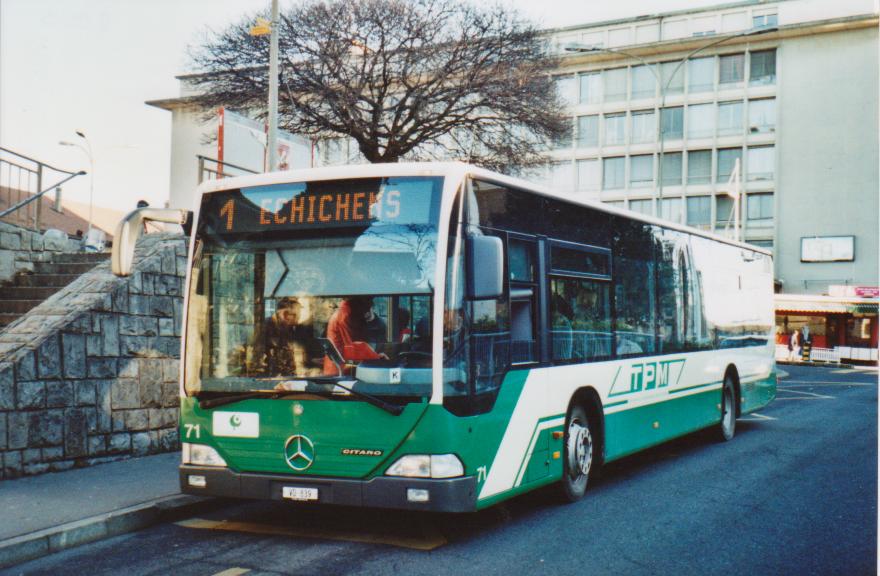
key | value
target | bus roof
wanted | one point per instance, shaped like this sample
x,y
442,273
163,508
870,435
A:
x,y
455,170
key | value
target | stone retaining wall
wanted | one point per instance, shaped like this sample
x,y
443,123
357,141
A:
x,y
21,247
91,374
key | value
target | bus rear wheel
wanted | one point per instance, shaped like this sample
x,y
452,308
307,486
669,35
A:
x,y
727,427
578,454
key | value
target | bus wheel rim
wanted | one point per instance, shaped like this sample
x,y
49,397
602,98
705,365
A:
x,y
580,449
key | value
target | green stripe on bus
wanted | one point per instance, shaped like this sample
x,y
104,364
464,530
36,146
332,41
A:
x,y
612,404
628,431
676,391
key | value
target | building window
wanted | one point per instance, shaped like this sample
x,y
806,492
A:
x,y
763,67
670,209
724,211
644,128
699,167
704,26
587,131
564,139
642,206
768,244
762,163
673,84
760,209
565,90
727,158
762,115
673,29
731,69
591,88
734,22
615,129
643,83
588,175
561,176
699,211
614,84
673,122
730,118
613,173
672,169
620,37
641,170
615,203
701,74
701,120
759,21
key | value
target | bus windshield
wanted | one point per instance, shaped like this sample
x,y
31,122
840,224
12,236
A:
x,y
314,282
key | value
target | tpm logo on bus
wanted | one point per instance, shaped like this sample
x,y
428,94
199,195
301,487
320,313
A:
x,y
647,376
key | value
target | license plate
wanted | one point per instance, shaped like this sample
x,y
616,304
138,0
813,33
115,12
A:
x,y
299,493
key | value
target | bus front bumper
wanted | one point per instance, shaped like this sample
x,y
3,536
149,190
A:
x,y
443,495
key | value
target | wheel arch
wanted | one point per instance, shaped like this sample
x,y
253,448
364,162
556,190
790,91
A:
x,y
589,400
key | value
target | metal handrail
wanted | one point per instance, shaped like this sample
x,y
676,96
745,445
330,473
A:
x,y
15,163
216,171
39,195
37,162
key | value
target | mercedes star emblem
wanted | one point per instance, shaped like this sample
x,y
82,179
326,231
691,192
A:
x,y
299,452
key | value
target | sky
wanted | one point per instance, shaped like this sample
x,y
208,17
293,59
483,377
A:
x,y
90,65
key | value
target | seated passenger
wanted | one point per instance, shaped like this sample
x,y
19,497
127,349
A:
x,y
288,346
348,325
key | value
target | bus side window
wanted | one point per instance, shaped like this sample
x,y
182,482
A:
x,y
634,288
672,289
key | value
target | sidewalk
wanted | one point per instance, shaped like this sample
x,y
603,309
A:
x,y
44,514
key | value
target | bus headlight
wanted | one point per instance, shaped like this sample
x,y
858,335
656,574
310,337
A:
x,y
200,455
425,466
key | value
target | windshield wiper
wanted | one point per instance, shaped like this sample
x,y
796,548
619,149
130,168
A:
x,y
215,401
392,409
225,399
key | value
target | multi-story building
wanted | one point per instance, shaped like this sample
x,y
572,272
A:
x,y
665,107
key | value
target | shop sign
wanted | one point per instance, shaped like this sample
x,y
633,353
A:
x,y
867,291
843,291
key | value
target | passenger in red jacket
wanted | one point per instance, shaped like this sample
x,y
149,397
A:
x,y
349,325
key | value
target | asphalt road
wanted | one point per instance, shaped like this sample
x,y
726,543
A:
x,y
794,493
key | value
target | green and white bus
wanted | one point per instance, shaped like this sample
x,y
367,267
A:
x,y
442,337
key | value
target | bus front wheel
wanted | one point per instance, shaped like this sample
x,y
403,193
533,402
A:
x,y
727,427
578,460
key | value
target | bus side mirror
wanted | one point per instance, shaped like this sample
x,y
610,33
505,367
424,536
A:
x,y
485,267
130,228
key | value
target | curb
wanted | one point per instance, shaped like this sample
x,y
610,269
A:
x,y
815,364
50,540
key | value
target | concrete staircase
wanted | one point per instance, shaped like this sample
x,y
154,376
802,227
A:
x,y
26,291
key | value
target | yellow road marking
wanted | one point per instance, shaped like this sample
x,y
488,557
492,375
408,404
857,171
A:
x,y
233,572
426,542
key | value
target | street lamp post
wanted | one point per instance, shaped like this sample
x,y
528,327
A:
x,y
272,136
88,152
664,86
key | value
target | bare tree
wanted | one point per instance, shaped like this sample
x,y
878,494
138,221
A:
x,y
405,79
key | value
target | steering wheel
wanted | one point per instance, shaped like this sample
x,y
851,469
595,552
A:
x,y
415,357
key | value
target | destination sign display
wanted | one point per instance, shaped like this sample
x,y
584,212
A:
x,y
327,204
